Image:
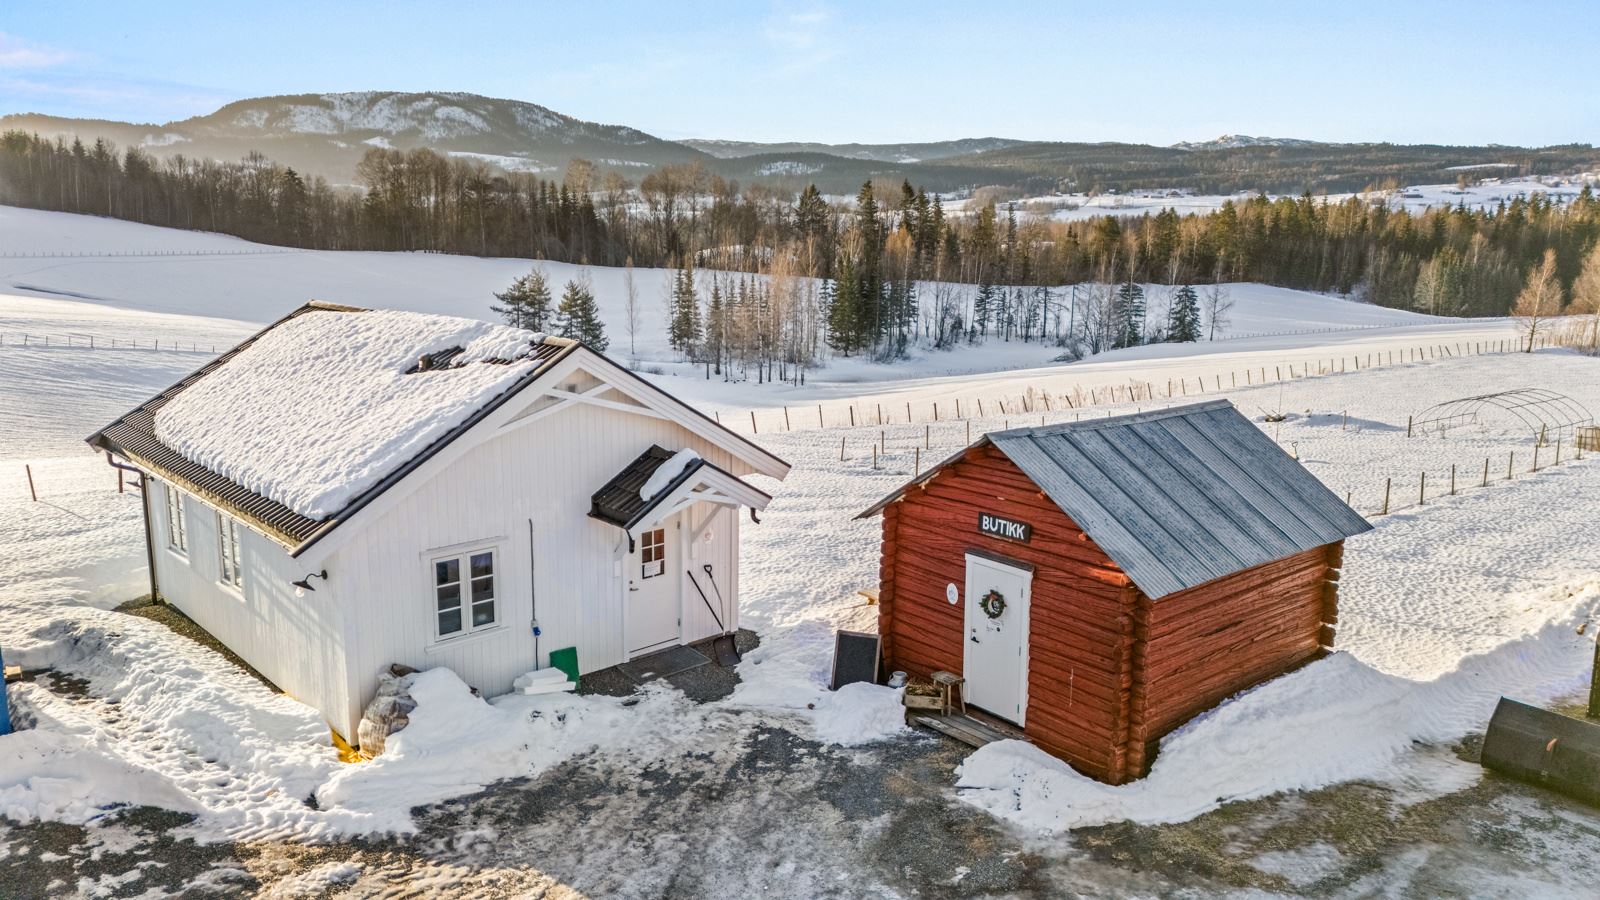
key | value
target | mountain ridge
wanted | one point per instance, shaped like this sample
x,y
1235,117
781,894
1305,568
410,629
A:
x,y
327,134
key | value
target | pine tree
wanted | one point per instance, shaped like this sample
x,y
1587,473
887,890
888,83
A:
x,y
716,328
1183,320
683,331
578,316
526,303
1129,314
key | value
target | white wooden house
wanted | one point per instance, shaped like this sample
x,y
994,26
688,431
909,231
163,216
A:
x,y
349,489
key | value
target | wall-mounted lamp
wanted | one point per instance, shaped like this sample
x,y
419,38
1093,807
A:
x,y
304,584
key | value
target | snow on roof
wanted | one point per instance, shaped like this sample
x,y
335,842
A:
x,y
324,406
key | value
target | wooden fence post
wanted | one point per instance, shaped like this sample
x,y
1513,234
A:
x,y
1452,479
1511,460
916,466
786,419
1485,471
753,422
31,492
819,417
1422,490
1408,426
1387,482
841,448
874,456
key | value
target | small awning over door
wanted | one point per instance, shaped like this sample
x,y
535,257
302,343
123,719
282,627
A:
x,y
620,501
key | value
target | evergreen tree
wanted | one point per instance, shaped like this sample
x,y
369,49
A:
x,y
578,316
716,328
1128,309
1183,319
683,330
526,303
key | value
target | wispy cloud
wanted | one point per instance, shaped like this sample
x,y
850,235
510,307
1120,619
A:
x,y
16,53
125,100
801,36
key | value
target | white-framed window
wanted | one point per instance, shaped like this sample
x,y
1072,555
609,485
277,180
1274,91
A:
x,y
464,592
231,573
177,523
653,553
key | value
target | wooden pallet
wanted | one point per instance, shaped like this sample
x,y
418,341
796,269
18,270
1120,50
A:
x,y
969,729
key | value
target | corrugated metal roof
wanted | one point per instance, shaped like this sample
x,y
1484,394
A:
x,y
1181,496
133,437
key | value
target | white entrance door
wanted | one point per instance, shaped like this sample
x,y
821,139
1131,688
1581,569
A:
x,y
995,663
653,584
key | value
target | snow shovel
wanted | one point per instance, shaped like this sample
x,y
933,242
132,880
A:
x,y
722,645
727,649
1544,748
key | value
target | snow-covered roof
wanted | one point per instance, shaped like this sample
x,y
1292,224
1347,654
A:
x,y
323,407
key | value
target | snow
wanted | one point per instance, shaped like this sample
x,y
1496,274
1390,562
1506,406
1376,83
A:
x,y
1277,737
666,473
1443,606
860,713
457,743
331,393
1487,194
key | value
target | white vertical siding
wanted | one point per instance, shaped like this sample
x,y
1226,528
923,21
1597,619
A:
x,y
698,622
296,642
546,471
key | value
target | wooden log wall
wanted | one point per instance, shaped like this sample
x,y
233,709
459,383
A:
x,y
1195,648
1080,676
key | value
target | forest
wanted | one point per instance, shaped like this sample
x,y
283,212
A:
x,y
870,276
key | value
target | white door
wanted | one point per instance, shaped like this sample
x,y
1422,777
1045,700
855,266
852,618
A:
x,y
995,663
653,582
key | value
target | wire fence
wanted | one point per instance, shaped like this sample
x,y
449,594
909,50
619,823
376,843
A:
x,y
86,341
1033,399
103,254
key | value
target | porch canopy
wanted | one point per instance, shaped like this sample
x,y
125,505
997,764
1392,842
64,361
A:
x,y
622,503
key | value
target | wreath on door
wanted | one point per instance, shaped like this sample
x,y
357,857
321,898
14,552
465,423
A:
x,y
992,604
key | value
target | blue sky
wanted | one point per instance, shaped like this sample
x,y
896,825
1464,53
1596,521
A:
x,y
1159,72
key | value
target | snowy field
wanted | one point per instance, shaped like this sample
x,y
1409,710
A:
x,y
1486,195
1444,606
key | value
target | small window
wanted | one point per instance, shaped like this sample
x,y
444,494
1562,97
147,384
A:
x,y
177,524
464,592
653,553
232,573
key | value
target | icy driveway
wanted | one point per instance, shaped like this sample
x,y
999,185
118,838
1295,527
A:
x,y
748,809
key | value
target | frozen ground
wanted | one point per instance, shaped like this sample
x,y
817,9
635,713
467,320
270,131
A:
x,y
1355,760
1487,194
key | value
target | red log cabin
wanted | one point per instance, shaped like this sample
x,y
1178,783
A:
x,y
1099,583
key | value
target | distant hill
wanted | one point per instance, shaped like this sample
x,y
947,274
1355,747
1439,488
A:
x,y
326,134
893,153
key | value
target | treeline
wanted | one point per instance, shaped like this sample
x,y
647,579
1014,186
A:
x,y
873,277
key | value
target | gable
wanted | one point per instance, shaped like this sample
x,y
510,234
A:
x,y
598,380
1176,497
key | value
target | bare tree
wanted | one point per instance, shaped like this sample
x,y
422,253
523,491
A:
x,y
1586,295
1217,306
630,308
1539,300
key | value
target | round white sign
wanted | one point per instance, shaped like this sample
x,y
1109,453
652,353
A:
x,y
951,594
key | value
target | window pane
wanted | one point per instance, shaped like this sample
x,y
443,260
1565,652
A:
x,y
482,614
482,564
449,596
450,622
446,571
482,589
